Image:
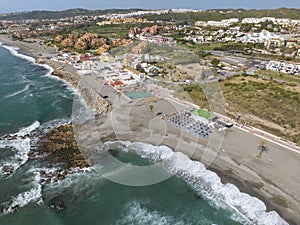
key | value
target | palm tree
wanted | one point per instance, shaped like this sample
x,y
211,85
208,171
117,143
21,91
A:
x,y
263,147
119,95
151,108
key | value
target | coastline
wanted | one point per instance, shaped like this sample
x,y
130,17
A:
x,y
239,179
40,55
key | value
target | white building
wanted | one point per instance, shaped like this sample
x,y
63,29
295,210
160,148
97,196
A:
x,y
222,23
135,74
258,20
261,37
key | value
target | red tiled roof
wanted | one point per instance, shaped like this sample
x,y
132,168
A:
x,y
117,83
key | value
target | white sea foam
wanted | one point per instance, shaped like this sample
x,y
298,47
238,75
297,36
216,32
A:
x,y
24,198
247,209
14,51
49,68
18,92
52,124
27,130
22,147
68,85
136,214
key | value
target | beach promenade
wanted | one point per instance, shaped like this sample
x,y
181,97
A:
x,y
272,178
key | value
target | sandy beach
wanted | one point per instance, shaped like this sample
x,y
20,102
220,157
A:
x,y
31,47
273,178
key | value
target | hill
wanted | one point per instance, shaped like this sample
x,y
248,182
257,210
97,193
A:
x,y
60,14
219,14
215,14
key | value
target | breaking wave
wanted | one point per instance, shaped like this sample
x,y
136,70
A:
x,y
18,92
136,214
245,208
21,144
14,51
23,199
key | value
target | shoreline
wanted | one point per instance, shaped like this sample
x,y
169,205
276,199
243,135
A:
x,y
236,179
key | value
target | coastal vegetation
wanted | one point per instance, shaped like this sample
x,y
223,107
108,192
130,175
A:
x,y
220,14
108,31
287,79
217,14
151,107
274,106
44,14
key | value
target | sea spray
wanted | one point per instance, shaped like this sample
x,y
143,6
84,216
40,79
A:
x,y
21,144
23,199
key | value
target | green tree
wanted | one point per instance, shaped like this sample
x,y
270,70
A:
x,y
215,62
151,108
119,96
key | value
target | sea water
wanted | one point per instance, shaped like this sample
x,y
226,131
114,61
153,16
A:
x,y
31,100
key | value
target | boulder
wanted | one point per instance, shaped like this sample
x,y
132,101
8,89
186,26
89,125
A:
x,y
57,203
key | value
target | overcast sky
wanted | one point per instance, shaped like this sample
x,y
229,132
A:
x,y
28,5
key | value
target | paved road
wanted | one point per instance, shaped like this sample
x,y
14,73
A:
x,y
107,90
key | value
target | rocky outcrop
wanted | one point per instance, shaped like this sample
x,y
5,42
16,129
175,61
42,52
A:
x,y
59,71
57,203
60,147
7,171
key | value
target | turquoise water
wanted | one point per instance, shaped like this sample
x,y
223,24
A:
x,y
27,96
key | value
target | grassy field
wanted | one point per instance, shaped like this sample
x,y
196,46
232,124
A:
x,y
203,113
267,100
235,13
270,101
211,46
290,79
109,31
